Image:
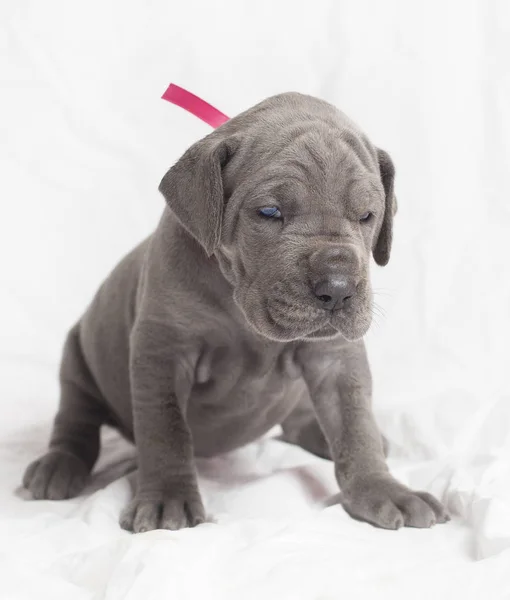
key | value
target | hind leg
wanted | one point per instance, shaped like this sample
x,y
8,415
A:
x,y
74,445
302,428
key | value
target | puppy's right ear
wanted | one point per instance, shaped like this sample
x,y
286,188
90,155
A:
x,y
193,189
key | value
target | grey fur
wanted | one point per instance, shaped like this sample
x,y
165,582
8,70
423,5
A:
x,y
208,334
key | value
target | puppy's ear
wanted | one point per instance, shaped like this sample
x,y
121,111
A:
x,y
382,246
193,189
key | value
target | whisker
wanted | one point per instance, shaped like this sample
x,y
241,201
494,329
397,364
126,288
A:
x,y
376,324
382,294
378,313
377,310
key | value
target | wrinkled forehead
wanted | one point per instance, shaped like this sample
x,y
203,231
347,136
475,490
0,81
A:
x,y
315,171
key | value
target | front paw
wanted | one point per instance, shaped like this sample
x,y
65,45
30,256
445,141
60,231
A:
x,y
176,509
382,501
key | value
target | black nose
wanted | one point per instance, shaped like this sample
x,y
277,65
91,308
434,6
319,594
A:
x,y
334,292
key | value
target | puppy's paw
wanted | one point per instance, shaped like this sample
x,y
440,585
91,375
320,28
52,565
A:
x,y
384,502
56,476
163,510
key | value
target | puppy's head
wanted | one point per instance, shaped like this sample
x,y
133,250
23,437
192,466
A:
x,y
292,199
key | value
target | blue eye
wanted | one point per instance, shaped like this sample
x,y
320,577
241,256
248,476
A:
x,y
365,217
270,212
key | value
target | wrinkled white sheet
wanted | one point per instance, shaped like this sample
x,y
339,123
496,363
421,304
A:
x,y
84,142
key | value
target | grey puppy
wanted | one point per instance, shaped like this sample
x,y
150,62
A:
x,y
243,310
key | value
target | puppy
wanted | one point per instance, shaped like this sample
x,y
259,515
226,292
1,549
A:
x,y
245,309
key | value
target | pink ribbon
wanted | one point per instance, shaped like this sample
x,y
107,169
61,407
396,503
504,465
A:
x,y
195,105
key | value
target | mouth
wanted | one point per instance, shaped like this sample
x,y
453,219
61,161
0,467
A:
x,y
290,317
295,321
304,320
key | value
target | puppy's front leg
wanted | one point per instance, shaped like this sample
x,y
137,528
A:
x,y
167,496
339,381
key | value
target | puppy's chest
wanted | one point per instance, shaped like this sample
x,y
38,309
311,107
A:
x,y
243,367
240,393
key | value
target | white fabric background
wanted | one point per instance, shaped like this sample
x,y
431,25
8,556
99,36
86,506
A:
x,y
84,142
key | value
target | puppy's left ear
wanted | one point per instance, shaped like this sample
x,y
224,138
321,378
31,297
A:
x,y
193,189
382,248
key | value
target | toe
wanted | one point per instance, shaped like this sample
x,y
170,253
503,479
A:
x,y
380,512
439,510
174,516
194,510
417,513
148,516
68,479
127,516
388,516
29,473
40,479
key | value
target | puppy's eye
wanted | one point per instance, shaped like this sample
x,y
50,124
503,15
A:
x,y
270,212
365,217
